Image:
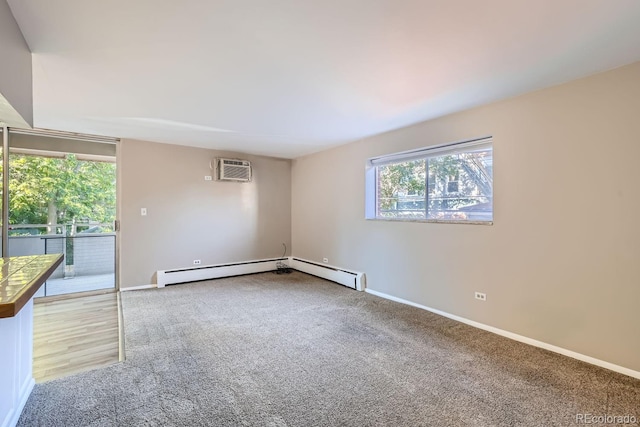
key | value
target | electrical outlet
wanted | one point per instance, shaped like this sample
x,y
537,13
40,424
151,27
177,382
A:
x,y
196,262
481,296
143,211
207,178
325,260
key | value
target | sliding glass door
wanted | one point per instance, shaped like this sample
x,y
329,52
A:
x,y
62,199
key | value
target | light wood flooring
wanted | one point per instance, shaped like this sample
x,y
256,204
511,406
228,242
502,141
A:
x,y
74,335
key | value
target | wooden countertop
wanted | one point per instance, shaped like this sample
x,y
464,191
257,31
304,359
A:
x,y
20,279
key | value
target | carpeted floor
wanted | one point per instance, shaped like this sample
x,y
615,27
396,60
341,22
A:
x,y
294,350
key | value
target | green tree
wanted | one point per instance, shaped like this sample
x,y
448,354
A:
x,y
402,186
47,190
400,179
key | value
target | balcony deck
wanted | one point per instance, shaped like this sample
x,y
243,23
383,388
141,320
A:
x,y
89,260
79,284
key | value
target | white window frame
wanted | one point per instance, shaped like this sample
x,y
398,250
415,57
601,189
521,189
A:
x,y
371,178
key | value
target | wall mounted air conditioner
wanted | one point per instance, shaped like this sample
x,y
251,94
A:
x,y
233,170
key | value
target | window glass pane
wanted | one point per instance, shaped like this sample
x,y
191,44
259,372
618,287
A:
x,y
445,184
401,190
461,186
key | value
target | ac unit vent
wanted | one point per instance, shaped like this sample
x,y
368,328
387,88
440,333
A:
x,y
233,170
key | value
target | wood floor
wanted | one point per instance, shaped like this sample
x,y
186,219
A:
x,y
74,335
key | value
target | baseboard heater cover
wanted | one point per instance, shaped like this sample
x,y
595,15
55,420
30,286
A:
x,y
350,279
185,275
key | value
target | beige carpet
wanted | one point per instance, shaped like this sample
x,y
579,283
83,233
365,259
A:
x,y
294,350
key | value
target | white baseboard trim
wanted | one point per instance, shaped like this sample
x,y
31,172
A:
x,y
24,396
137,288
516,337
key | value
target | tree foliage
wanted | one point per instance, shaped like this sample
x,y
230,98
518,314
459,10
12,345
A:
x,y
45,190
400,179
451,181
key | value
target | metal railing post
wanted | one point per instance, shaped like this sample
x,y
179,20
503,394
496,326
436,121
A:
x,y
5,191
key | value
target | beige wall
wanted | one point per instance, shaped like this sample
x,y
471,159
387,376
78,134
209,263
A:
x,y
190,218
16,93
561,264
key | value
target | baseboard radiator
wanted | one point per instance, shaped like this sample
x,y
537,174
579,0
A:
x,y
185,275
350,279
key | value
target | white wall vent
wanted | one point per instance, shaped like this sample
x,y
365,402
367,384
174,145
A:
x,y
233,170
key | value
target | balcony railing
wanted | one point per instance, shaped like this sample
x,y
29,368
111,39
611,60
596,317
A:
x,y
89,254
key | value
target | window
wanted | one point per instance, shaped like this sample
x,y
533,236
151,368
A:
x,y
448,183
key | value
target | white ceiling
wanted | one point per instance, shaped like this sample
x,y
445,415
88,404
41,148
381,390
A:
x,y
290,77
